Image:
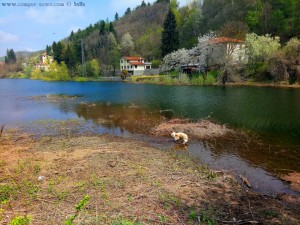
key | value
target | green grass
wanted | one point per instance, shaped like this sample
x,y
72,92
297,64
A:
x,y
178,79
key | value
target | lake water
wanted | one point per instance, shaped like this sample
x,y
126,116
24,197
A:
x,y
270,115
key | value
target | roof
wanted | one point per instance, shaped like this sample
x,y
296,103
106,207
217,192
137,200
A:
x,y
219,40
136,63
132,58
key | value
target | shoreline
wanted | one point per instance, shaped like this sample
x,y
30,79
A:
x,y
237,84
127,181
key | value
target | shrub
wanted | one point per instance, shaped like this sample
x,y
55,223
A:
x,y
210,79
197,80
20,220
155,63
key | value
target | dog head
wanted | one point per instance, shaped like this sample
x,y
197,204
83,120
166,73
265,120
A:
x,y
173,134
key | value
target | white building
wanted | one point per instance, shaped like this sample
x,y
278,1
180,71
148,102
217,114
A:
x,y
45,60
226,50
135,65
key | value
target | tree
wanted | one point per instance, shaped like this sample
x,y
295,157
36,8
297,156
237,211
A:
x,y
92,68
234,29
111,28
200,54
175,59
48,50
261,48
116,16
127,44
57,72
57,49
170,35
191,25
10,57
69,58
114,51
143,4
102,27
128,11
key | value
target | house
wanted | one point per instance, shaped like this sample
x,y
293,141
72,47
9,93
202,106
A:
x,y
227,50
44,61
135,65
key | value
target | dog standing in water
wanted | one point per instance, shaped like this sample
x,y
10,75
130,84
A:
x,y
182,137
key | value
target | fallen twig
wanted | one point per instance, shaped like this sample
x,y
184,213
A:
x,y
1,131
245,180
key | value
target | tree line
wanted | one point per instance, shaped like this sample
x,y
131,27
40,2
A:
x,y
156,30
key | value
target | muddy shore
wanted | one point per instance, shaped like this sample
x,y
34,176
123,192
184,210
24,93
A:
x,y
127,181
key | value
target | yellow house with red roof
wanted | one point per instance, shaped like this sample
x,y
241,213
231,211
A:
x,y
135,65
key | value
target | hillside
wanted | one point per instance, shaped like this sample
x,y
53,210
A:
x,y
145,26
141,20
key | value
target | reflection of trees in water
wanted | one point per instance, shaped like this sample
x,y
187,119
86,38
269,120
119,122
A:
x,y
131,118
257,151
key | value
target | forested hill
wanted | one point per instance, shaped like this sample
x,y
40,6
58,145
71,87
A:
x,y
144,24
139,31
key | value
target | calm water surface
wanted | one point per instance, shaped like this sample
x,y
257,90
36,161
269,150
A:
x,y
271,115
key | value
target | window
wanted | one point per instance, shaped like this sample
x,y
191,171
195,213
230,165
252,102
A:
x,y
135,66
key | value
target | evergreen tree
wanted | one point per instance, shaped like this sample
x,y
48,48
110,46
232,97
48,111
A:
x,y
116,16
170,35
69,58
10,57
57,51
128,11
143,4
102,27
48,49
111,28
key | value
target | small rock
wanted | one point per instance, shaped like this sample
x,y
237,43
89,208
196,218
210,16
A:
x,y
40,178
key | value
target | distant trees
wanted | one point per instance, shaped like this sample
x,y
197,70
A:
x,y
10,57
170,35
163,30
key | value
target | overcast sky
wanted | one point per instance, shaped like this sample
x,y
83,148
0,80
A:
x,y
31,28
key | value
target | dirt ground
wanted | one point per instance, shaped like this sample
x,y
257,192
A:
x,y
128,182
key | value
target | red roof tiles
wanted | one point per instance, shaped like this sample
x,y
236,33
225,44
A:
x,y
218,40
133,58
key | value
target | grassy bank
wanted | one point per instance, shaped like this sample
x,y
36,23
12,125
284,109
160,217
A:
x,y
176,79
71,178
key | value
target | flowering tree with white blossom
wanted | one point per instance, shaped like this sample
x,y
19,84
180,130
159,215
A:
x,y
200,54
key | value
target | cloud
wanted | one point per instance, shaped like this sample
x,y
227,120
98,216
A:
x,y
8,37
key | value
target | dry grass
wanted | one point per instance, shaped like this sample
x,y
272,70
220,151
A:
x,y
127,180
199,130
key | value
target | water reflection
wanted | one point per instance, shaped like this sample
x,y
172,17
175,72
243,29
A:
x,y
240,154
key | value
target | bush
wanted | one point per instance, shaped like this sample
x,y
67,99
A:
x,y
210,79
155,63
197,80
80,79
20,220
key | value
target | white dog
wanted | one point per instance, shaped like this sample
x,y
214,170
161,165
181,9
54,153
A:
x,y
180,136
